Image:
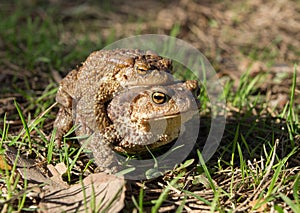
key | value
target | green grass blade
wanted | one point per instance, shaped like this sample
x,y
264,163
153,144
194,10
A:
x,y
291,115
211,183
24,125
139,205
198,197
164,194
296,189
294,206
141,200
50,146
181,206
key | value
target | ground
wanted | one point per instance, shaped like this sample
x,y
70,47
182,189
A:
x,y
254,47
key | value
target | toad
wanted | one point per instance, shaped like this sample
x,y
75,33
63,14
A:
x,y
144,118
85,92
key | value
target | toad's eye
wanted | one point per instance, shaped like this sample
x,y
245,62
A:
x,y
141,69
159,97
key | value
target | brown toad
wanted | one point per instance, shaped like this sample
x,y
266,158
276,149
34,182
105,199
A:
x,y
144,118
84,93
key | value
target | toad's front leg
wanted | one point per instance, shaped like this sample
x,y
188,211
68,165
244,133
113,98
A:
x,y
62,124
64,97
104,94
99,145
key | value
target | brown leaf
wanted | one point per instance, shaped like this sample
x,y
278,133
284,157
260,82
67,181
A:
x,y
26,168
258,205
96,193
3,164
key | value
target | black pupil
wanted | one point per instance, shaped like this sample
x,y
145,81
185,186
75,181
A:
x,y
160,98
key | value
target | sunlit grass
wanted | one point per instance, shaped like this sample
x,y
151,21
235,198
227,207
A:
x,y
254,156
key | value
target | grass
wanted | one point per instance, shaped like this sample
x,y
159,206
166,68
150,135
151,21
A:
x,y
256,167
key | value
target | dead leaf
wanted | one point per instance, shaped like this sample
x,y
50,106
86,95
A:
x,y
56,180
26,168
61,168
259,205
96,193
3,164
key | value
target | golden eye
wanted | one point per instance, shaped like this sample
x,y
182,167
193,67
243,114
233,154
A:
x,y
141,68
159,97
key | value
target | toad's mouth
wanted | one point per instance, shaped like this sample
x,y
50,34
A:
x,y
185,116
